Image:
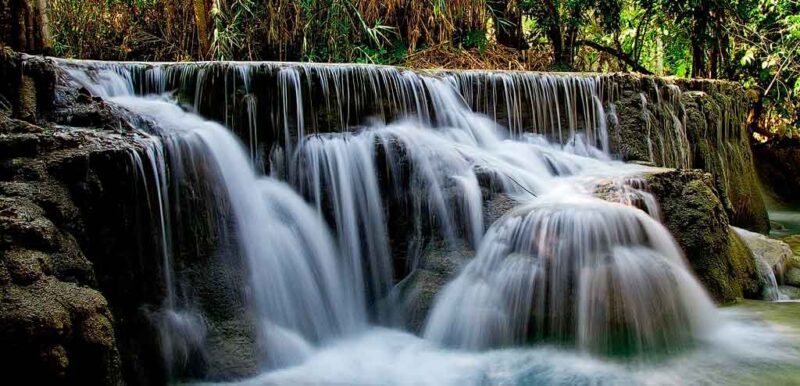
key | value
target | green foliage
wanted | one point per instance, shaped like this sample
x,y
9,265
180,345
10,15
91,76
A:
x,y
755,42
475,39
767,59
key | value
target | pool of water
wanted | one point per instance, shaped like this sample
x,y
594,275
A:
x,y
785,222
754,343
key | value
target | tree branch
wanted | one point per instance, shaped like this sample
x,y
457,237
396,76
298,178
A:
x,y
620,55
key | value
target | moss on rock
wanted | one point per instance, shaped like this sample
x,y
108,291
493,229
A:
x,y
691,123
792,277
694,215
716,129
26,266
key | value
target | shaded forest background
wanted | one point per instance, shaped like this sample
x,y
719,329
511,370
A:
x,y
755,42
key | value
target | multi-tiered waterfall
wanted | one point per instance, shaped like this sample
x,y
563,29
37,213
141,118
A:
x,y
324,182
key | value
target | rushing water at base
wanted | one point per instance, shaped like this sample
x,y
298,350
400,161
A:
x,y
741,351
558,286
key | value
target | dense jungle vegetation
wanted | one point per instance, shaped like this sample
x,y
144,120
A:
x,y
755,42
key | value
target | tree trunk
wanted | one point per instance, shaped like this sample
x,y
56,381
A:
x,y
41,30
659,54
202,27
562,56
699,38
508,24
754,116
29,30
698,59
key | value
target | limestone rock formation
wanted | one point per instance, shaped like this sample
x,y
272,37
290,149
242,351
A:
x,y
81,279
692,123
792,277
55,326
694,214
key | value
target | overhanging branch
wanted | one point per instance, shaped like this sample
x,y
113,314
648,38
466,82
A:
x,y
620,55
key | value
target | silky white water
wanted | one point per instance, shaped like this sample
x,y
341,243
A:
x,y
391,357
566,288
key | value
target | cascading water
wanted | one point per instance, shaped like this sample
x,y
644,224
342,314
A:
x,y
569,273
577,270
298,295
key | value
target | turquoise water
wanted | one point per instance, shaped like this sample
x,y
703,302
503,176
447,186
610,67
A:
x,y
785,222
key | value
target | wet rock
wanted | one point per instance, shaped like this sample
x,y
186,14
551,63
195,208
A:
x,y
496,207
693,213
233,350
709,117
437,266
23,223
777,254
794,242
791,292
57,332
26,266
715,127
792,277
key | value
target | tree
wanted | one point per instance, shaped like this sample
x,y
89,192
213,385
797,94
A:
x,y
507,17
766,60
561,22
201,22
706,21
29,30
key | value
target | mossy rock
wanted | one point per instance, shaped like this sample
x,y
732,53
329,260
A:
x,y
775,253
792,277
26,266
52,332
791,292
712,136
694,215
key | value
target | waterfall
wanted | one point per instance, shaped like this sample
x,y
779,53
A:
x,y
765,269
771,291
369,163
577,270
298,295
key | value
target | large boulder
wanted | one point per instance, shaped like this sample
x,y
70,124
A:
x,y
54,328
693,213
792,277
439,262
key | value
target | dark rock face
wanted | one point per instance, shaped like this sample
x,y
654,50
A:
x,y
77,211
55,326
695,216
67,316
438,264
778,165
